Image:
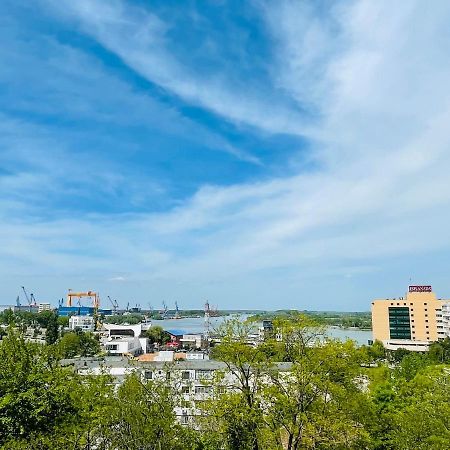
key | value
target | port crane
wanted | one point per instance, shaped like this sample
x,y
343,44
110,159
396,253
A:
x,y
164,310
79,295
114,304
30,298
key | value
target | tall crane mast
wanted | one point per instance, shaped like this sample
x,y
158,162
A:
x,y
30,298
26,295
164,310
114,304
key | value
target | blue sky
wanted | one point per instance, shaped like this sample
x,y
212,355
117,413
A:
x,y
260,154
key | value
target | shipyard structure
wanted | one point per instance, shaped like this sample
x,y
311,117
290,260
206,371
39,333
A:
x,y
413,321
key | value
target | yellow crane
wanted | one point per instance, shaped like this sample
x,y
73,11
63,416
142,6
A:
x,y
93,296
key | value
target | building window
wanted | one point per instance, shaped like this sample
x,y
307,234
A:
x,y
185,375
185,389
203,389
203,374
399,323
148,374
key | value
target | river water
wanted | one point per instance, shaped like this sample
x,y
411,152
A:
x,y
197,325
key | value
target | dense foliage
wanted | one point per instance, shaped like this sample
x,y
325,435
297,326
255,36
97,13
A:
x,y
303,392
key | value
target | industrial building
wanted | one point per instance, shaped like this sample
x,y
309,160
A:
x,y
82,311
411,322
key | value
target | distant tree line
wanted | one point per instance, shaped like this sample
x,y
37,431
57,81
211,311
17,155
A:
x,y
361,320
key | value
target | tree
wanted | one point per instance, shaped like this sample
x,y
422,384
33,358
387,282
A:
x,y
439,352
7,317
156,335
246,365
79,343
316,402
50,321
35,394
410,365
69,345
143,417
297,332
375,352
63,321
423,417
89,343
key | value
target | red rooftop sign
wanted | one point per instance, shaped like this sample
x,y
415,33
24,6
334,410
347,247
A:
x,y
419,288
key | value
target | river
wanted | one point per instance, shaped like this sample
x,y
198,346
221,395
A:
x,y
197,325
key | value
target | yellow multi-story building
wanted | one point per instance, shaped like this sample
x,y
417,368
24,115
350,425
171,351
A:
x,y
413,321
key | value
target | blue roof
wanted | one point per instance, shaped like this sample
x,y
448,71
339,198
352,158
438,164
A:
x,y
176,332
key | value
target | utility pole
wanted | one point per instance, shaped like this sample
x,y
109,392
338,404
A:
x,y
207,320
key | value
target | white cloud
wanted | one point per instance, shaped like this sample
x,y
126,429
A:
x,y
138,37
380,194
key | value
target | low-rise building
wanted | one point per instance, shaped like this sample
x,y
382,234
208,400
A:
x,y
85,323
193,378
124,340
44,307
192,341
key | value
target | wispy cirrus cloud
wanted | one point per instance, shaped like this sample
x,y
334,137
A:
x,y
138,38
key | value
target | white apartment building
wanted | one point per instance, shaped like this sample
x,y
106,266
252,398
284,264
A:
x,y
44,307
124,340
445,320
85,323
192,377
192,340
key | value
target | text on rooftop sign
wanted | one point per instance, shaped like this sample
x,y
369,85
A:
x,y
419,288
